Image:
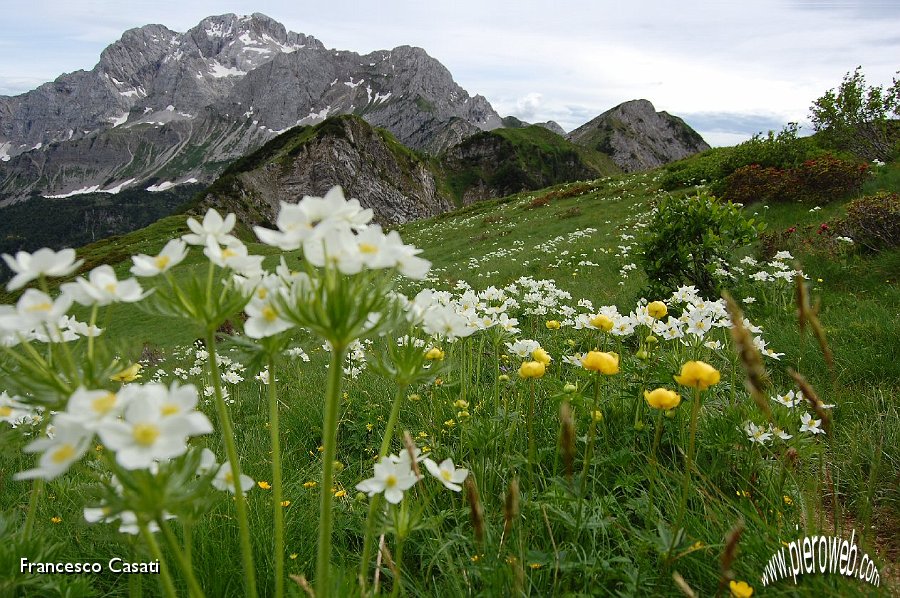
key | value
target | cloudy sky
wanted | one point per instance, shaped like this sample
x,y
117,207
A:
x,y
730,68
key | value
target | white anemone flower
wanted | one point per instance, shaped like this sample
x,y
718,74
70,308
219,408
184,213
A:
x,y
391,477
334,209
180,402
224,480
294,227
813,426
69,442
789,399
151,430
522,348
757,434
339,248
12,411
445,322
171,255
34,309
778,432
214,228
102,287
234,256
90,407
447,474
43,262
264,318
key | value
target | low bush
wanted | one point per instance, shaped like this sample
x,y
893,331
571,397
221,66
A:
x,y
782,150
755,183
828,178
816,181
691,237
873,222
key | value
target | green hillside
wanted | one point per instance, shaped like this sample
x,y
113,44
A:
x,y
509,160
606,529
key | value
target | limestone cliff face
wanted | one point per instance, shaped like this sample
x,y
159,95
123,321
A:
x,y
368,163
637,137
152,101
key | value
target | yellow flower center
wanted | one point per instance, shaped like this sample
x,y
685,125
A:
x,y
262,292
45,306
269,313
367,248
229,478
227,253
145,434
445,475
110,288
170,409
5,411
390,481
63,453
162,261
103,404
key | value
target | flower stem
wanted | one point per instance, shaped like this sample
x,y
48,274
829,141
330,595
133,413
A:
x,y
36,490
184,562
592,434
37,487
276,481
654,462
93,321
532,445
398,562
688,467
376,500
165,577
240,502
589,451
329,440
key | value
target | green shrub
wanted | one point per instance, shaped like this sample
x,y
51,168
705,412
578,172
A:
x,y
696,170
857,117
778,150
782,150
690,238
873,221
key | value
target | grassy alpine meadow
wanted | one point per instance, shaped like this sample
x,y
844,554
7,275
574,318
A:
x,y
492,406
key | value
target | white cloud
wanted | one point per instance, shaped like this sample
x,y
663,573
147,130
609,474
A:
x,y
537,59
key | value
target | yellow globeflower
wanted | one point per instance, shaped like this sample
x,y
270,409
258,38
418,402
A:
x,y
552,324
662,398
602,322
657,309
598,361
532,369
740,589
434,354
540,355
698,374
129,374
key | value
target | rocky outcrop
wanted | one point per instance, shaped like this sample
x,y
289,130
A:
x,y
234,72
511,122
637,137
368,163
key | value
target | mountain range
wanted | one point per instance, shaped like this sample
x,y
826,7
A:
x,y
163,108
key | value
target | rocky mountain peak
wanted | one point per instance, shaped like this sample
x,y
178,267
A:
x,y
637,137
